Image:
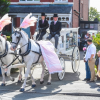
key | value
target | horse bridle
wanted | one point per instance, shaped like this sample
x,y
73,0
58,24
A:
x,y
18,37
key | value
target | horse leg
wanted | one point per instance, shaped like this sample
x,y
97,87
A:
x,y
3,76
33,81
42,75
14,66
49,80
20,75
26,76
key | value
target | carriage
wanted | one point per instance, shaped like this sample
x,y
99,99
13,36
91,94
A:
x,y
67,48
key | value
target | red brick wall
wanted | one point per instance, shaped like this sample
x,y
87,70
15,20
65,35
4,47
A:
x,y
32,29
14,0
83,14
75,18
70,0
46,0
17,22
85,9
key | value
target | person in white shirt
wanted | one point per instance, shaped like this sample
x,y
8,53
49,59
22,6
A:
x,y
90,57
86,36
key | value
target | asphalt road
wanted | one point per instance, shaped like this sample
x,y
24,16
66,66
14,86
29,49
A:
x,y
71,87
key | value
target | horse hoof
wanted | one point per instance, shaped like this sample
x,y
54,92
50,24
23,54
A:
x,y
19,81
34,85
3,84
22,90
13,79
41,82
48,83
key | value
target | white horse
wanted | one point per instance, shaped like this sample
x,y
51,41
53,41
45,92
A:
x,y
6,57
33,56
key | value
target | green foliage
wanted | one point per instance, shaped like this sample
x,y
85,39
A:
x,y
96,41
8,38
4,7
93,13
95,69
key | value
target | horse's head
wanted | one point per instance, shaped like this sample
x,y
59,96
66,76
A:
x,y
16,37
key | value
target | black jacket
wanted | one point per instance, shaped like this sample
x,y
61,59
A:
x,y
44,25
55,29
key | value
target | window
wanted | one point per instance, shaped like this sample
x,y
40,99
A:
x,y
91,26
67,19
87,26
47,18
81,25
59,18
51,18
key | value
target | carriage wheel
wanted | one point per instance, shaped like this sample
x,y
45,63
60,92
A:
x,y
75,59
62,74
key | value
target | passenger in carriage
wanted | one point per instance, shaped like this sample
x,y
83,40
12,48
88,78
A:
x,y
55,28
43,25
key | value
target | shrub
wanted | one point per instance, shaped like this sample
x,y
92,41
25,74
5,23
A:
x,y
96,41
8,38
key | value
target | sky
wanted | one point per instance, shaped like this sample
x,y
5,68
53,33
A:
x,y
96,4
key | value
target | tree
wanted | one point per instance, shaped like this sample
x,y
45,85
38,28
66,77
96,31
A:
x,y
93,14
4,7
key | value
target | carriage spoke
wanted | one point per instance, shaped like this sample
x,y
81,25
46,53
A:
x,y
75,59
61,74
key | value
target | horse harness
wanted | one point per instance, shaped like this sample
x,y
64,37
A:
x,y
5,54
29,50
28,47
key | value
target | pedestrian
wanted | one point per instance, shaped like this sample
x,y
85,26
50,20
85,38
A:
x,y
90,57
79,37
86,37
90,36
93,34
43,25
98,63
88,73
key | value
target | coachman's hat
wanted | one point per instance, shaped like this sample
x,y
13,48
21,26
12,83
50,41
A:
x,y
55,15
43,14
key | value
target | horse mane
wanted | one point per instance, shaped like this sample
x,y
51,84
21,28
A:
x,y
3,41
24,33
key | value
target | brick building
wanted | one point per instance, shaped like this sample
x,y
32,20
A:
x,y
68,11
83,9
